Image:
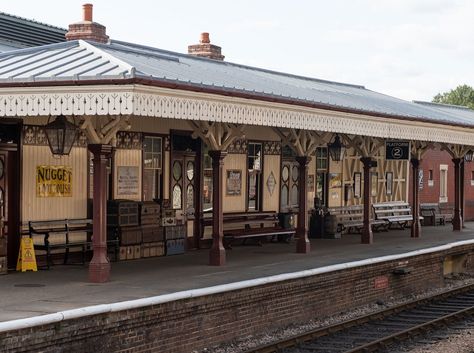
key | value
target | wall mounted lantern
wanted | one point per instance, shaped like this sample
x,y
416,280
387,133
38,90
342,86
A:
x,y
61,135
336,149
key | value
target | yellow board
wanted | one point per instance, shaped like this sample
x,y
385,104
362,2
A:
x,y
53,181
26,257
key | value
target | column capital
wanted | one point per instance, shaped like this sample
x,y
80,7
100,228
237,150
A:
x,y
415,162
368,162
303,160
217,154
104,150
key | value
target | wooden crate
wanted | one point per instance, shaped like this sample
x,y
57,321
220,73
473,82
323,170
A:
x,y
152,233
129,235
123,253
145,250
122,213
3,265
137,251
130,252
149,213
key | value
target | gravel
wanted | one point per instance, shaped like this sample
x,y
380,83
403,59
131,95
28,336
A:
x,y
245,343
460,342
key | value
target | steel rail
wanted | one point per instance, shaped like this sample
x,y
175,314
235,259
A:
x,y
372,317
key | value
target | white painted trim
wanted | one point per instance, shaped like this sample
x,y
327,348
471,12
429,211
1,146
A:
x,y
193,293
147,101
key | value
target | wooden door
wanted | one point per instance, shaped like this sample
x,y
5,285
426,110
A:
x,y
184,189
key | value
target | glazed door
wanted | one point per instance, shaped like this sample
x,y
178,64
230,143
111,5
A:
x,y
9,206
183,189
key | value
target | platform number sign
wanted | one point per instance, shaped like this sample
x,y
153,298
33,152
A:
x,y
397,150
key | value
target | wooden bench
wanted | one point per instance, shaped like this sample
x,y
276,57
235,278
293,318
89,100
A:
x,y
436,213
250,225
351,218
395,212
64,227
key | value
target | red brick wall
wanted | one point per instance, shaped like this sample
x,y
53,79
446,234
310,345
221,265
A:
x,y
430,194
192,324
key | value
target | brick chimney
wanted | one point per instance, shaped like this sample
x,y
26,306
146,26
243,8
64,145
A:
x,y
87,29
205,48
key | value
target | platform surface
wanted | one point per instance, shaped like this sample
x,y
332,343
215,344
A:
x,y
65,287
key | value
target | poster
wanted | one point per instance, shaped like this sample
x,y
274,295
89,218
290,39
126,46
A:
x,y
53,181
128,181
335,180
374,179
311,183
234,182
357,184
389,183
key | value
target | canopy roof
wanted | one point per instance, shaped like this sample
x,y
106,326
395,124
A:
x,y
81,61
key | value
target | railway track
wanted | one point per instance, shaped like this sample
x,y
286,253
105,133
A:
x,y
384,328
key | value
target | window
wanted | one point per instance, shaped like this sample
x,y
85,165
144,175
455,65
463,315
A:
x,y
443,183
321,174
152,168
430,177
472,177
254,161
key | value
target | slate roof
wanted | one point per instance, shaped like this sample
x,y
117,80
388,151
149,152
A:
x,y
80,60
17,32
448,108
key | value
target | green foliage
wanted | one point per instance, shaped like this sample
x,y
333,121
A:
x,y
461,95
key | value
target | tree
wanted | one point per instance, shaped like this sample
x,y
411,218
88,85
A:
x,y
461,95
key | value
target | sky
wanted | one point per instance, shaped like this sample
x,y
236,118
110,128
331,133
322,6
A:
x,y
410,49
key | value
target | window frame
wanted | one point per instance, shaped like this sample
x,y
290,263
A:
x,y
158,175
259,182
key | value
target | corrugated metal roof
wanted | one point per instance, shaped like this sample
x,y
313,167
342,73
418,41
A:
x,y
81,60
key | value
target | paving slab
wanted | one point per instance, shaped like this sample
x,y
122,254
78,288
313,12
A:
x,y
27,294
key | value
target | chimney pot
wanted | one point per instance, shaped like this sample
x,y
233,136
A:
x,y
206,49
87,12
204,38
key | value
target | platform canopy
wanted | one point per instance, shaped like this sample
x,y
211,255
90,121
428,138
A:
x,y
118,78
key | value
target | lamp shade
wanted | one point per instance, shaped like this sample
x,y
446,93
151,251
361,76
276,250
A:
x,y
336,149
469,156
61,135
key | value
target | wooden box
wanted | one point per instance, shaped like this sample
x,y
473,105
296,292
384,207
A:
x,y
130,235
3,265
145,250
152,233
122,213
130,252
3,246
149,213
123,253
136,251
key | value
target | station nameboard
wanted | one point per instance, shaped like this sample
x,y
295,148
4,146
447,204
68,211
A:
x,y
397,150
53,181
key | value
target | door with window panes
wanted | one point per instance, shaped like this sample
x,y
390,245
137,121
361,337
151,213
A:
x,y
152,168
254,177
322,164
289,181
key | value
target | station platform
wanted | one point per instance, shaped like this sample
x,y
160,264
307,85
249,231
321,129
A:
x,y
62,288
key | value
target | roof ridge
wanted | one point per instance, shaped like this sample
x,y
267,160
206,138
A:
x,y
108,56
236,65
32,21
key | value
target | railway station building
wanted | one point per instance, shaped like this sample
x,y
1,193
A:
x,y
90,121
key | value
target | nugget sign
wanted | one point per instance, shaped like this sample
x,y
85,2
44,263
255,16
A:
x,y
398,150
53,181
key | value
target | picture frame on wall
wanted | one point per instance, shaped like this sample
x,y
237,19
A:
x,y
311,183
374,179
234,182
357,184
389,183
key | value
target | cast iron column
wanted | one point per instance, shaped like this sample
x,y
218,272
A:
x,y
217,253
457,220
99,267
367,236
462,176
303,245
415,225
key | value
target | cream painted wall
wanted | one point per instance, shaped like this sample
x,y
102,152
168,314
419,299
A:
x,y
158,125
335,195
271,164
312,171
127,158
259,133
48,208
235,203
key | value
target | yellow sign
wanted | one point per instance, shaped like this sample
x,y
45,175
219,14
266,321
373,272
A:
x,y
26,257
53,181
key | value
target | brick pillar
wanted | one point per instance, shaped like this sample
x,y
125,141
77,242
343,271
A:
x,y
303,245
367,236
217,253
99,267
415,225
457,220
